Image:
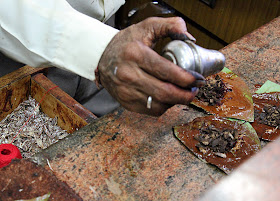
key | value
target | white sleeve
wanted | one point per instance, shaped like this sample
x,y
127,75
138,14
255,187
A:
x,y
52,33
98,9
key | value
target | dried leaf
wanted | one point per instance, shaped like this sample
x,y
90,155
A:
x,y
268,96
247,144
268,87
237,101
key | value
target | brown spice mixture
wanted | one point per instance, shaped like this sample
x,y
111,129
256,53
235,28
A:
x,y
213,91
219,141
269,116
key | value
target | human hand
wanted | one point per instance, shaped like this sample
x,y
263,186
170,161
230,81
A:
x,y
131,71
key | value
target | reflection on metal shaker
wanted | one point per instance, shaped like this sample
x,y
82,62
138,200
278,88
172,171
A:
x,y
192,57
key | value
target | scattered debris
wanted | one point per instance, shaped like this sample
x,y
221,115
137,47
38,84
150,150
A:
x,y
49,164
39,133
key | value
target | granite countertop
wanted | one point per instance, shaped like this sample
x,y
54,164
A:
x,y
128,156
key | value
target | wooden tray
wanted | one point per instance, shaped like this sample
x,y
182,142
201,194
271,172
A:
x,y
18,85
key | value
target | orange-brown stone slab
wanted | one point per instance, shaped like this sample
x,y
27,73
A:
x,y
128,156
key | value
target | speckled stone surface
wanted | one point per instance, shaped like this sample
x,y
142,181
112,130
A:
x,y
128,156
256,56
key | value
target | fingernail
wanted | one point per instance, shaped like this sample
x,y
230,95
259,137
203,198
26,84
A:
x,y
199,83
190,37
197,75
199,79
194,89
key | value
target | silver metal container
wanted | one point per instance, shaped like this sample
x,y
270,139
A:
x,y
192,57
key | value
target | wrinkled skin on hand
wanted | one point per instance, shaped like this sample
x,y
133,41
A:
x,y
141,72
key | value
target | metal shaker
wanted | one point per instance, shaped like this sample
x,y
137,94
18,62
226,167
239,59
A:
x,y
192,57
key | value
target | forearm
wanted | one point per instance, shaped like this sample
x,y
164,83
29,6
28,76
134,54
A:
x,y
52,33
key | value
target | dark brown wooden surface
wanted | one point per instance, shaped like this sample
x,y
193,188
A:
x,y
226,22
13,94
19,74
16,87
230,19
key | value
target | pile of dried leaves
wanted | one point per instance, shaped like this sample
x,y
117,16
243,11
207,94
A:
x,y
213,91
39,133
223,142
220,141
269,116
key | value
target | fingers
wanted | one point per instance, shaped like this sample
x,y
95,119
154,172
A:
x,y
167,93
163,69
134,78
141,72
136,101
173,27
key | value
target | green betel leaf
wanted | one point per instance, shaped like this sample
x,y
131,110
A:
x,y
268,87
226,70
222,142
226,95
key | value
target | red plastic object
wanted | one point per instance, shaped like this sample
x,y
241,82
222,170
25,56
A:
x,y
7,153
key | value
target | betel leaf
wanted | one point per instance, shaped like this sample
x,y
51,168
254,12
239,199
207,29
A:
x,y
268,87
267,106
247,142
237,101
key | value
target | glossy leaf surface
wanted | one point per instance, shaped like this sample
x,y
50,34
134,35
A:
x,y
264,131
246,146
237,102
268,94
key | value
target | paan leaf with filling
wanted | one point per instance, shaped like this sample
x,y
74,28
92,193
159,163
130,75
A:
x,y
226,95
223,142
267,111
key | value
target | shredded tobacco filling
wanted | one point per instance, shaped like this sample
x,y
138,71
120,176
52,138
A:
x,y
39,133
213,91
220,141
269,116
